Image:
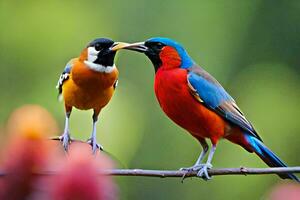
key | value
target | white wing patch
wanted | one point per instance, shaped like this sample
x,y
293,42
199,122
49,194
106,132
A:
x,y
116,84
62,78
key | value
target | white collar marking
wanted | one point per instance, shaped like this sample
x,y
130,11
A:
x,y
100,68
92,56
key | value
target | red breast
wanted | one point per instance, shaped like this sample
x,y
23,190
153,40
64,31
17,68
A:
x,y
170,58
174,97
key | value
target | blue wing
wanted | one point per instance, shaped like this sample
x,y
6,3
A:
x,y
210,92
64,76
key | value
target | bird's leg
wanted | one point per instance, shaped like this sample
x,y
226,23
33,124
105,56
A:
x,y
203,172
93,141
198,165
65,137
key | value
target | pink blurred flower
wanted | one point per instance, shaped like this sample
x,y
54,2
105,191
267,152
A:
x,y
285,191
80,179
27,151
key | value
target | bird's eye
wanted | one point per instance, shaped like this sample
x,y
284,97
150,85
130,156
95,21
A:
x,y
159,44
98,47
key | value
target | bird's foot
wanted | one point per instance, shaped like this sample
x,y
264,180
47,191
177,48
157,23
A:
x,y
201,169
203,172
65,140
194,168
95,145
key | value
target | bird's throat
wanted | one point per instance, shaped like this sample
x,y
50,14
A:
x,y
99,68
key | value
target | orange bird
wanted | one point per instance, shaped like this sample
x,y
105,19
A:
x,y
88,82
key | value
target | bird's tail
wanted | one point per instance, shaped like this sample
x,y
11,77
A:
x,y
268,156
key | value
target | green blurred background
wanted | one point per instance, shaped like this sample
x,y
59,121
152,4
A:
x,y
251,47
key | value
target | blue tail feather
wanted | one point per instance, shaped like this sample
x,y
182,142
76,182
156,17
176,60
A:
x,y
268,156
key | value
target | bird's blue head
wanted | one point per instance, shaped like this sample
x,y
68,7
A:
x,y
163,52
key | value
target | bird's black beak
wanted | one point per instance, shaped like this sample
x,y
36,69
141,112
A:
x,y
139,47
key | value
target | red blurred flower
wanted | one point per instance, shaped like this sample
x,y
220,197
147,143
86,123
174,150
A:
x,y
285,191
27,151
79,177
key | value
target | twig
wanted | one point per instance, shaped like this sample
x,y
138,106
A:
x,y
178,173
212,172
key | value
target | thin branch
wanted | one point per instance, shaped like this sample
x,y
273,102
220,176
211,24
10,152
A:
x,y
212,172
178,173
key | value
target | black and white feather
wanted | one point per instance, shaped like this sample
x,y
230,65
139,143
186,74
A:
x,y
63,77
116,84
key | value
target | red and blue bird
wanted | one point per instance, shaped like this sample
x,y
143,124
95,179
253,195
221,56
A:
x,y
197,102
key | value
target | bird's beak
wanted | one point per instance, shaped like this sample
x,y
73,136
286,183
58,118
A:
x,y
139,47
118,45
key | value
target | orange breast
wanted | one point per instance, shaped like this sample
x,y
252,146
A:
x,y
88,89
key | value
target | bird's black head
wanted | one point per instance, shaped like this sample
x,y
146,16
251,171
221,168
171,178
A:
x,y
99,51
162,52
153,50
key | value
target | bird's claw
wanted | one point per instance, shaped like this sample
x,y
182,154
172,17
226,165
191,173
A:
x,y
201,169
65,140
187,170
95,145
193,168
203,172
